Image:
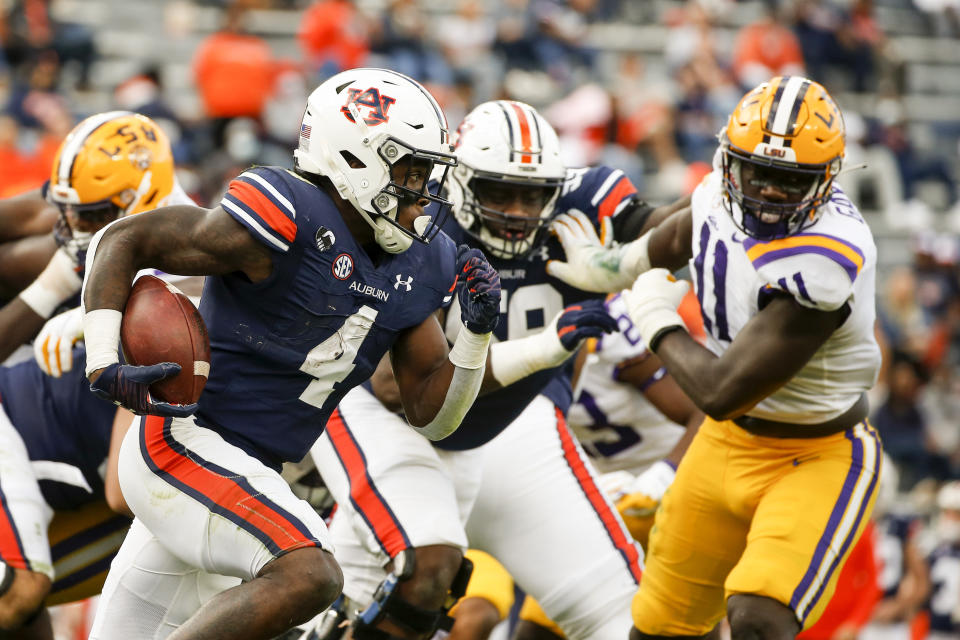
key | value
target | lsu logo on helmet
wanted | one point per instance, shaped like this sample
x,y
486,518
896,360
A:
x,y
111,164
789,127
119,158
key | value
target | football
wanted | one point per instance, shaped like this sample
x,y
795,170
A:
x,y
160,324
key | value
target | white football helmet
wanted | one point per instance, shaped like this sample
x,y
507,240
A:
x,y
373,118
507,142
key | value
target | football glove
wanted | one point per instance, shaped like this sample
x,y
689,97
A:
x,y
585,320
53,346
652,304
479,290
128,386
638,507
594,264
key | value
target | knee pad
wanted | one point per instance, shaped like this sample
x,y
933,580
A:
x,y
387,603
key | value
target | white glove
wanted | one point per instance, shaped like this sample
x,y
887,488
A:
x,y
53,346
655,481
592,264
652,304
54,286
616,484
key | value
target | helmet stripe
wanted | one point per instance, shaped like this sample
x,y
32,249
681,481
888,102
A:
x,y
795,111
785,106
525,157
74,144
506,115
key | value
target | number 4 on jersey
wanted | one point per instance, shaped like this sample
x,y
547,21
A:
x,y
332,360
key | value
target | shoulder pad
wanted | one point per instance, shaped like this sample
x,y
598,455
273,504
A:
x,y
817,269
598,192
261,200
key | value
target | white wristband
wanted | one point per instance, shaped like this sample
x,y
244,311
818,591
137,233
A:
x,y
516,359
101,332
470,349
54,286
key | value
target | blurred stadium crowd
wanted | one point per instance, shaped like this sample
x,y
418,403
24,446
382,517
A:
x,y
639,85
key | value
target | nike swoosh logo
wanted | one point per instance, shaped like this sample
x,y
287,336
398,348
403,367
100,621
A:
x,y
798,461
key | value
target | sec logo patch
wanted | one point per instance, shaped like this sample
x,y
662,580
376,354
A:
x,y
342,266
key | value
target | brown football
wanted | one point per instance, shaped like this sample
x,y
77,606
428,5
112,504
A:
x,y
160,324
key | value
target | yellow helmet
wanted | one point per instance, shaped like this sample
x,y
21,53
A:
x,y
789,134
111,164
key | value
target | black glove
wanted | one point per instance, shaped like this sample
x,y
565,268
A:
x,y
479,292
128,386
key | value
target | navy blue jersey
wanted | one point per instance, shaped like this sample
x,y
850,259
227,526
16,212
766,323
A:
x,y
285,350
944,603
893,532
530,300
61,422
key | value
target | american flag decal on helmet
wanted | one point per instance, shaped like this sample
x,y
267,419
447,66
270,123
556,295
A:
x,y
305,131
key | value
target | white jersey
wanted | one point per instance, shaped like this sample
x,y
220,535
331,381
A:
x,y
618,427
826,266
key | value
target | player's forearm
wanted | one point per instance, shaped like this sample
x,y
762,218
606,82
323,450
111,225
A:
x,y
661,214
455,384
18,324
669,246
713,387
112,262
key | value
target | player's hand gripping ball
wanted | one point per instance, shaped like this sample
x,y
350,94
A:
x,y
167,350
479,290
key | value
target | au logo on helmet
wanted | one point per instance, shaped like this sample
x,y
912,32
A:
x,y
378,104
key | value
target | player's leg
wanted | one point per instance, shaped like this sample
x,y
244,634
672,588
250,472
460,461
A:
x,y
398,513
215,508
541,513
804,525
534,624
696,540
487,601
149,592
26,571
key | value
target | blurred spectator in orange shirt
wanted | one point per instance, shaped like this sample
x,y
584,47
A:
x,y
333,35
766,48
234,71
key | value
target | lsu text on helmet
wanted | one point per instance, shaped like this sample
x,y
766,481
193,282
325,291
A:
x,y
500,143
787,137
359,124
111,164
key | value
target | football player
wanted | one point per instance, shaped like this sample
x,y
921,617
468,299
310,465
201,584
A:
x,y
313,275
944,562
513,481
55,476
783,472
110,165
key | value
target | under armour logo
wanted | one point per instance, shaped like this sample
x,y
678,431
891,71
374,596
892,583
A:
x,y
407,283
